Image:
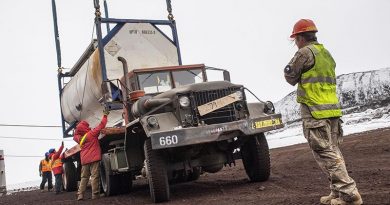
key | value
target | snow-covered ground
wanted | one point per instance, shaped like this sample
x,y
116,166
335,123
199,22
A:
x,y
27,186
353,123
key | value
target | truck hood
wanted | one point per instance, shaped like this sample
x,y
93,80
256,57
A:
x,y
214,85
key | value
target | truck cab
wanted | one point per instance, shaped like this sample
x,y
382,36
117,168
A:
x,y
189,125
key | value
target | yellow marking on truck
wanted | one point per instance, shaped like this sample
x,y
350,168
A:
x,y
266,123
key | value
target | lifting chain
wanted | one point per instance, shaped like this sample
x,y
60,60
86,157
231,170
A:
x,y
169,9
97,13
97,9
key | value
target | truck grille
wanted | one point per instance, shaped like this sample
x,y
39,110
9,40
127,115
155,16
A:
x,y
225,114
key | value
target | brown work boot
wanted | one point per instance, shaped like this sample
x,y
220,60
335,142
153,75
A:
x,y
95,196
355,199
80,197
326,199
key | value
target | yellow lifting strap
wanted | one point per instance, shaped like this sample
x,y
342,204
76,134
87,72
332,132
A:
x,y
83,139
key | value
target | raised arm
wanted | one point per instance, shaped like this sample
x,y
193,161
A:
x,y
97,129
57,154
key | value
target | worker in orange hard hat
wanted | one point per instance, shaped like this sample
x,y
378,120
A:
x,y
313,69
303,26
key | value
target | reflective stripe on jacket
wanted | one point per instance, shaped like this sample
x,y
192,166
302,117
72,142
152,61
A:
x,y
45,166
57,163
317,87
83,140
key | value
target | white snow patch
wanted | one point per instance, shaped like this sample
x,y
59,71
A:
x,y
353,123
26,186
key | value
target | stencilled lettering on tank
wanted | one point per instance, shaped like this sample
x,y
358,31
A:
x,y
152,32
133,31
147,32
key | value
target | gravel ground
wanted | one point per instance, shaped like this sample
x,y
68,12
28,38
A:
x,y
295,179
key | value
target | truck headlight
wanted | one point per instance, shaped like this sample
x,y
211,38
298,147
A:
x,y
184,101
269,107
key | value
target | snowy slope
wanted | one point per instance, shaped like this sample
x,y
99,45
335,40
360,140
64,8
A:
x,y
353,123
357,93
364,96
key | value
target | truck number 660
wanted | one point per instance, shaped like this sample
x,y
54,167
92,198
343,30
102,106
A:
x,y
168,140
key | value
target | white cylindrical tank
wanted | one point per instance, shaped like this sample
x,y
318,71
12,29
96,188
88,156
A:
x,y
3,187
141,44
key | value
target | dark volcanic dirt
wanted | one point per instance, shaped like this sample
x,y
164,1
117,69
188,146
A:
x,y
295,179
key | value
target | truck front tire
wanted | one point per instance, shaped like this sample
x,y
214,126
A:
x,y
256,159
156,173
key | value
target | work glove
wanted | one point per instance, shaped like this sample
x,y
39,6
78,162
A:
x,y
106,111
40,174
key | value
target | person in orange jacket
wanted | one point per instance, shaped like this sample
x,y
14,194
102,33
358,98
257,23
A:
x,y
45,173
56,160
90,155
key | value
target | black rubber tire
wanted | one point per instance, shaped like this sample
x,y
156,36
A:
x,y
78,170
69,177
157,173
110,183
256,159
126,182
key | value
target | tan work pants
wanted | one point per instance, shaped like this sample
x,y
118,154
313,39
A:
x,y
87,171
324,137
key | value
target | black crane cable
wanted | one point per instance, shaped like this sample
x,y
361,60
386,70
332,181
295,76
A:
x,y
29,125
32,138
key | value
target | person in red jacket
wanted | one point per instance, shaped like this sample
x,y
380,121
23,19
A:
x,y
90,154
56,166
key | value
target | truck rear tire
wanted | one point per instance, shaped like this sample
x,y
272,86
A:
x,y
256,159
69,177
110,183
126,182
156,173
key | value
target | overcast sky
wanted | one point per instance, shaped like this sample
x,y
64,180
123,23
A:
x,y
248,37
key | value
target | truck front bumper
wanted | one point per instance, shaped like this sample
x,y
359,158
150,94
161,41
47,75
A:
x,y
216,132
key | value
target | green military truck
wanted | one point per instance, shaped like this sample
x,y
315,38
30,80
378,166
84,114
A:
x,y
168,122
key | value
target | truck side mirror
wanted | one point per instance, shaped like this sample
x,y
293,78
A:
x,y
226,75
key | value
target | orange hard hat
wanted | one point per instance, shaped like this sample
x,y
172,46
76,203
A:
x,y
303,25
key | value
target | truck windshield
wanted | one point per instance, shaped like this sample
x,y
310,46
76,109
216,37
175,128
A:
x,y
186,77
155,82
